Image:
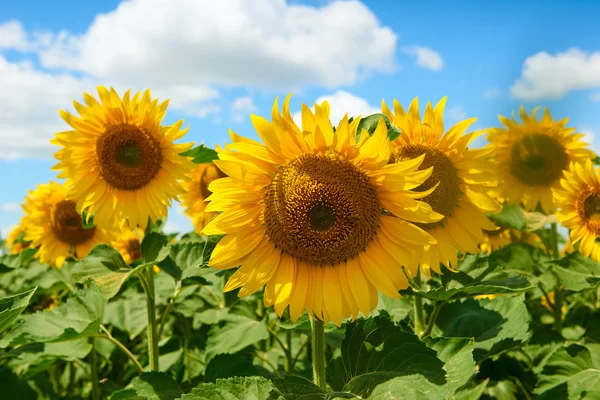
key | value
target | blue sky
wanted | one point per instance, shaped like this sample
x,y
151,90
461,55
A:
x,y
220,65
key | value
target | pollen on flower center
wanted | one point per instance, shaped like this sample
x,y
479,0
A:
x,y
211,173
128,157
445,198
321,209
66,224
537,159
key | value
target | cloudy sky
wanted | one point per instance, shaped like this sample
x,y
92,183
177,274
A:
x,y
219,62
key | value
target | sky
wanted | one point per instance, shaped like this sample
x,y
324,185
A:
x,y
219,62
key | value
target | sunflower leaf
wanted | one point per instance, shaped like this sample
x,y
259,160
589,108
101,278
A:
x,y
370,122
235,334
155,248
12,306
150,386
246,388
201,154
511,216
577,272
21,260
570,372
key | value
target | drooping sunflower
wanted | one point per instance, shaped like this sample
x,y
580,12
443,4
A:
x,y
578,203
14,240
461,177
120,162
53,224
196,192
532,157
303,215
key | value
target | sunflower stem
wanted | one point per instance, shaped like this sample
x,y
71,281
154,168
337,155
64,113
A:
x,y
433,318
419,314
152,334
288,366
94,370
318,352
558,292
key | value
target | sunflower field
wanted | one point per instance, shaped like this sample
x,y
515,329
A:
x,y
376,257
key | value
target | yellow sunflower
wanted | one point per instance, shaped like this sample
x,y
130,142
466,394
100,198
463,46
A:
x,y
53,224
462,177
304,216
15,247
531,157
196,192
494,240
120,163
128,244
578,203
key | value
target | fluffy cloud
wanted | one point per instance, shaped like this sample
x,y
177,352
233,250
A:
x,y
242,106
426,57
342,102
10,207
546,76
456,113
185,51
491,93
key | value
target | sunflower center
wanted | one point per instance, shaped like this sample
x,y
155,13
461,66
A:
x,y
538,159
66,224
128,157
134,249
588,209
209,174
445,198
321,210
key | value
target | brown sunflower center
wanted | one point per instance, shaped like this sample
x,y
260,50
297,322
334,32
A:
x,y
134,249
128,157
66,224
321,209
209,174
538,159
445,198
588,209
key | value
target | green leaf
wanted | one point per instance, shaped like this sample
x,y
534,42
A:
x,y
577,272
150,386
237,333
457,354
370,122
128,314
76,318
14,387
569,373
371,354
12,306
87,221
228,365
20,260
105,267
155,248
247,388
201,154
496,325
474,393
168,265
297,388
78,348
511,216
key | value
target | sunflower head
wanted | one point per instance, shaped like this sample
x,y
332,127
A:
x,y
532,156
316,215
53,224
458,186
120,162
15,240
578,202
196,192
128,243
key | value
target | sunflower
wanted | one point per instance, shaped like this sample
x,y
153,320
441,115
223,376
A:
x,y
494,240
120,163
462,177
531,157
127,242
15,240
53,224
196,192
548,304
304,216
578,202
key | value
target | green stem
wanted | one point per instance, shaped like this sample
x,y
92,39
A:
x,y
419,314
288,366
433,318
167,311
151,306
318,352
558,291
120,345
94,370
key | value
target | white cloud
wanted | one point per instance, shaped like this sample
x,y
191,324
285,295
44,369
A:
x,y
241,107
426,57
546,76
342,102
11,207
456,113
590,137
14,37
595,96
491,93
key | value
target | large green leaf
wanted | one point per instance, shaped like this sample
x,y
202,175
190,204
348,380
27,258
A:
x,y
496,325
577,272
150,386
14,387
11,261
78,317
12,306
511,216
201,154
569,373
237,333
128,313
155,248
457,355
105,267
247,388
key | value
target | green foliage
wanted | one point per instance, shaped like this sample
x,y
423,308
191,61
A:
x,y
12,306
370,122
201,154
577,272
150,386
511,216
